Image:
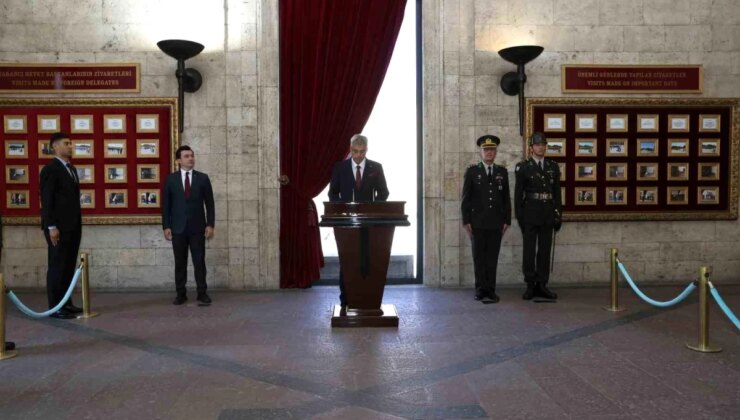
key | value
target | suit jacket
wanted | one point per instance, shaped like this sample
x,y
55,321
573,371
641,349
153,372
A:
x,y
179,213
531,179
486,203
60,198
342,187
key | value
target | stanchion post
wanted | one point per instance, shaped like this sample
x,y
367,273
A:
x,y
86,312
3,353
614,305
704,346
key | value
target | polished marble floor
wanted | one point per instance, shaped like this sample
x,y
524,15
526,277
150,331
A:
x,y
273,355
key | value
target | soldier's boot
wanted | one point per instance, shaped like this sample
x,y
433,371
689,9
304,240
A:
x,y
529,293
544,292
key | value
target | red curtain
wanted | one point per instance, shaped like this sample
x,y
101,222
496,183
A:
x,y
333,58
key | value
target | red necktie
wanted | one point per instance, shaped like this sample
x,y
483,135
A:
x,y
187,184
358,178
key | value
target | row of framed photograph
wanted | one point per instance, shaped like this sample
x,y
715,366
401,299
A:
x,y
114,199
113,174
618,123
85,149
647,196
644,171
588,147
112,123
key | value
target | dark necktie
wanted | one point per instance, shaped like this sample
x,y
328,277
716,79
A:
x,y
187,184
358,178
490,174
72,172
539,163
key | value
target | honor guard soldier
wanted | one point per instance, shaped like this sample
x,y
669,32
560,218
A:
x,y
538,209
486,215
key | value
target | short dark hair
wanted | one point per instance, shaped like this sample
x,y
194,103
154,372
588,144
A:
x,y
181,149
56,137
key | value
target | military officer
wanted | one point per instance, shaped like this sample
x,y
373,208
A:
x,y
486,214
538,208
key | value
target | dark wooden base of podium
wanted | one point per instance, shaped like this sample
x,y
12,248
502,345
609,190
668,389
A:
x,y
387,316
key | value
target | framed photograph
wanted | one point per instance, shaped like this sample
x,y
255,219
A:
x,y
585,122
616,147
616,171
708,171
115,174
17,199
585,196
646,196
45,151
677,195
647,147
562,167
48,123
81,123
678,123
707,195
87,199
709,123
678,147
86,173
147,173
116,199
554,122
647,171
586,171
708,147
147,148
83,149
678,171
114,148
114,123
147,123
16,174
616,196
616,123
147,198
15,124
16,149
555,147
586,147
647,123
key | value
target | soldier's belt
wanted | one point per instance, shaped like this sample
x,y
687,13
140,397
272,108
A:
x,y
539,196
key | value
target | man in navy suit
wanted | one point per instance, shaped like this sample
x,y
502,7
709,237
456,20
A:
x,y
188,219
357,179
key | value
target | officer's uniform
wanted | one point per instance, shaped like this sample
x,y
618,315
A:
x,y
538,208
486,206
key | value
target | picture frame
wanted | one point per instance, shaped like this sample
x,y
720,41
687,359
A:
x,y
15,124
16,149
562,167
48,123
555,147
116,174
83,149
707,195
87,199
115,149
45,150
147,123
677,171
647,196
616,171
86,174
678,123
585,196
81,124
554,122
707,171
709,123
616,196
647,171
648,147
114,123
146,173
562,196
709,147
616,123
116,198
586,171
586,123
586,147
647,123
17,199
16,174
617,147
147,148
677,195
678,147
148,198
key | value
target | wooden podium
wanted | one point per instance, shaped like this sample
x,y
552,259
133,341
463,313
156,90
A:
x,y
364,234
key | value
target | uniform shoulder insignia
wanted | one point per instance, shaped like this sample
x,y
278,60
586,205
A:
x,y
472,165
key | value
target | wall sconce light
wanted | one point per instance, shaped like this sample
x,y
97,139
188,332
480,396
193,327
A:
x,y
188,80
512,83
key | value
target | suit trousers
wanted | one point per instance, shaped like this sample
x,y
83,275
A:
x,y
62,262
536,258
486,247
196,243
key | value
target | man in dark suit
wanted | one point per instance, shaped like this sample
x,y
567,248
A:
x,y
188,219
354,180
486,214
61,221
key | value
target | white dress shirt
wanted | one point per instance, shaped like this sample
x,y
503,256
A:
x,y
182,176
362,168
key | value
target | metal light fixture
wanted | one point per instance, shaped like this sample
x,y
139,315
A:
x,y
512,83
188,80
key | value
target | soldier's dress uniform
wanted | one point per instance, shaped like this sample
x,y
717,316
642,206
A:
x,y
486,206
538,207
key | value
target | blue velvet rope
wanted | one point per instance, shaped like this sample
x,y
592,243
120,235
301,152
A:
x,y
687,291
26,310
725,308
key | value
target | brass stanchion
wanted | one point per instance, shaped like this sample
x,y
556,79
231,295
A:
x,y
3,353
704,346
86,312
614,305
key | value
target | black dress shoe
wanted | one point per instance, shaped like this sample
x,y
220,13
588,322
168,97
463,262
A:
x,y
529,293
63,314
479,296
72,308
204,299
544,292
493,297
180,299
9,345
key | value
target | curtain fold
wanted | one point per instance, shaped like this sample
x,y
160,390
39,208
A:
x,y
333,57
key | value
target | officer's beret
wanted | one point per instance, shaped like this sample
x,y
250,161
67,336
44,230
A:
x,y
488,141
538,138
